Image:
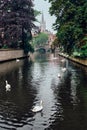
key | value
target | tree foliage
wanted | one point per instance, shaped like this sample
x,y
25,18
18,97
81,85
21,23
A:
x,y
71,22
16,22
36,13
40,40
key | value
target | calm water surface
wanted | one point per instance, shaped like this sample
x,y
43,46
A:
x,y
64,99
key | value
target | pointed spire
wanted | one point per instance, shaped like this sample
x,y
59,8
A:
x,y
42,18
43,23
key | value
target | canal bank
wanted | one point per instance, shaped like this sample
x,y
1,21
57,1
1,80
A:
x,y
11,54
77,60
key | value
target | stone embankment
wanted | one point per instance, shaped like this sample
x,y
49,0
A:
x,y
9,54
77,60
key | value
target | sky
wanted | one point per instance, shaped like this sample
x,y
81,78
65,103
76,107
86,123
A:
x,y
43,6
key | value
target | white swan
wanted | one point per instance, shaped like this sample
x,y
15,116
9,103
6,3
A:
x,y
63,60
38,108
59,76
64,69
17,60
8,86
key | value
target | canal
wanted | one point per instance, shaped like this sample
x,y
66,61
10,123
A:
x,y
64,98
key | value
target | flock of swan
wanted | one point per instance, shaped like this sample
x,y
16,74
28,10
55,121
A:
x,y
63,69
36,108
39,108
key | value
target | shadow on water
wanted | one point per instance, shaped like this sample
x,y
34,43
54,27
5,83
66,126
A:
x,y
64,99
15,106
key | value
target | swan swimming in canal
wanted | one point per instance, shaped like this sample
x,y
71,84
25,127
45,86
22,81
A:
x,y
64,69
8,86
63,60
59,75
17,60
38,108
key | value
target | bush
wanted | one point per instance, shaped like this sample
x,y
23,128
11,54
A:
x,y
4,46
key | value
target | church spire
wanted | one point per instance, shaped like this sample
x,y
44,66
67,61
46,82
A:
x,y
42,18
42,24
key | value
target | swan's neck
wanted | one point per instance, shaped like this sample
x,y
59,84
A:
x,y
41,103
6,82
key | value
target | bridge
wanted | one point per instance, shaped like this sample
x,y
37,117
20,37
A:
x,y
43,49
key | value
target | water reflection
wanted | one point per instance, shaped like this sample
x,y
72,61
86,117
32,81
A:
x,y
64,99
14,105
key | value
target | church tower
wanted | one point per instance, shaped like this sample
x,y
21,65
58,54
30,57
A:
x,y
43,24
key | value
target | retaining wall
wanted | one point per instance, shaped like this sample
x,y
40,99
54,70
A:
x,y
9,54
77,60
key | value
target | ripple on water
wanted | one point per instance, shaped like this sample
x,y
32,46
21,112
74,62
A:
x,y
39,81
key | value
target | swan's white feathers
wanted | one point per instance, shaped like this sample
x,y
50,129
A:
x,y
8,86
38,108
59,75
64,69
63,60
17,60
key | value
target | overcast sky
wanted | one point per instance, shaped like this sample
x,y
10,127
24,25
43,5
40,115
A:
x,y
43,6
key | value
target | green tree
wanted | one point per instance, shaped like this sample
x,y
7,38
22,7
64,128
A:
x,y
40,40
36,13
71,22
16,20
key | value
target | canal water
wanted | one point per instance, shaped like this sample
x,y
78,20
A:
x,y
63,93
